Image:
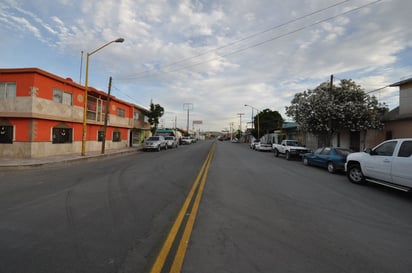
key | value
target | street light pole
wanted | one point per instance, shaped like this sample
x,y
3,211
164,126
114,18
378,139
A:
x,y
86,86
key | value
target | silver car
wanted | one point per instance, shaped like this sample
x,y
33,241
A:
x,y
186,140
171,142
155,143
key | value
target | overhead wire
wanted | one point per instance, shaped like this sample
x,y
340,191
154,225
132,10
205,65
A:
x,y
262,42
142,74
276,37
246,37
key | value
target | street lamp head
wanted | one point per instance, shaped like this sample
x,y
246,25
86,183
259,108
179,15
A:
x,y
119,40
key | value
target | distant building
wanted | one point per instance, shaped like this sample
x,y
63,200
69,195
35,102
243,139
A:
x,y
41,114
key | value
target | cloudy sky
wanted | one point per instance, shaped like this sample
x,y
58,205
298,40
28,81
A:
x,y
214,55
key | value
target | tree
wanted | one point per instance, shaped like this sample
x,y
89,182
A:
x,y
156,111
269,121
325,112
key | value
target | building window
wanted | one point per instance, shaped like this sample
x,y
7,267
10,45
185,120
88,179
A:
x,y
136,115
100,135
96,109
61,96
6,134
116,136
62,135
7,90
120,112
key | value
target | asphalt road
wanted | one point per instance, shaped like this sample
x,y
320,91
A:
x,y
257,214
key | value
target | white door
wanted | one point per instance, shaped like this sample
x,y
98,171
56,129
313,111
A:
x,y
379,164
402,165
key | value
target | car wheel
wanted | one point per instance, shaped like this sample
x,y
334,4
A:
x,y
287,155
305,161
331,167
276,153
158,148
355,174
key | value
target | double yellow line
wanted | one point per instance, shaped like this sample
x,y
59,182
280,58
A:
x,y
195,192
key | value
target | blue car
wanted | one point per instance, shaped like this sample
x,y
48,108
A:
x,y
331,158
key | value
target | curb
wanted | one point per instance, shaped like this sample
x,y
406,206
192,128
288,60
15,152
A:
x,y
41,162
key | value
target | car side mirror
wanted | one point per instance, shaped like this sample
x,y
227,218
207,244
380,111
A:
x,y
370,151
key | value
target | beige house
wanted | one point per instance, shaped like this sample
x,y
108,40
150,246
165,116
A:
x,y
397,123
141,125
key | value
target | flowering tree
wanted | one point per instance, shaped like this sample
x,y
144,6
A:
x,y
322,111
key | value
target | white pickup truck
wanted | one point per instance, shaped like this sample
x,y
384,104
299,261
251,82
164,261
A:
x,y
388,164
289,148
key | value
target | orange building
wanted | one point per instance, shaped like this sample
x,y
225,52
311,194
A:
x,y
41,114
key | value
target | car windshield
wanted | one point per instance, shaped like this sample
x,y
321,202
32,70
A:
x,y
292,143
169,138
153,138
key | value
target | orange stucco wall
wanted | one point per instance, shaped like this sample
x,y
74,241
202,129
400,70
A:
x,y
33,133
22,129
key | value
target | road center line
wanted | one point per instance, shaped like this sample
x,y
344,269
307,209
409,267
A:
x,y
165,250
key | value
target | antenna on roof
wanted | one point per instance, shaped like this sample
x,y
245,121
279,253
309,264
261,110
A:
x,y
81,66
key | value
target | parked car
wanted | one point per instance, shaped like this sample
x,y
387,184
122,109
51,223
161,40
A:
x,y
265,147
171,142
289,148
253,143
186,140
331,158
155,143
388,164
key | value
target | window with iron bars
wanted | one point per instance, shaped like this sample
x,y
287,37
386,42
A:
x,y
62,135
6,134
116,136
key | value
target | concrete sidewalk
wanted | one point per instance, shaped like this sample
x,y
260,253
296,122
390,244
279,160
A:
x,y
21,163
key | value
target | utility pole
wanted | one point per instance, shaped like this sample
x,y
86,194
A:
x,y
187,106
329,114
240,121
240,125
106,114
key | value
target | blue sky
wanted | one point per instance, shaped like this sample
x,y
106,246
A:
x,y
217,55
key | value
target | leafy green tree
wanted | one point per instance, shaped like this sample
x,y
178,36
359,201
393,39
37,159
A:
x,y
267,121
237,134
156,111
323,112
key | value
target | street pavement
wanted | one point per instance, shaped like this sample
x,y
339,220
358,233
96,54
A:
x,y
21,163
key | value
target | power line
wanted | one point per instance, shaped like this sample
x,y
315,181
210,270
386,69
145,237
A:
x,y
141,74
278,37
